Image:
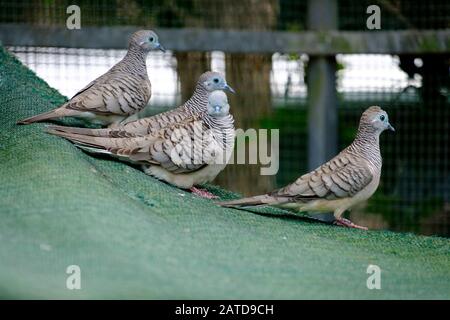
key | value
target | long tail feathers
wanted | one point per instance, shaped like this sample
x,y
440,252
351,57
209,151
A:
x,y
88,141
95,145
251,201
40,117
82,131
94,150
52,114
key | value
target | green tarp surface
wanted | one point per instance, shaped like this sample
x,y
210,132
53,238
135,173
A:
x,y
135,237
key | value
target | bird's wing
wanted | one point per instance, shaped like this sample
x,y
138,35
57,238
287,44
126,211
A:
x,y
180,148
153,124
116,95
342,177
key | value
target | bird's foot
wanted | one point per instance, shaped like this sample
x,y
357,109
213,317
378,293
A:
x,y
203,193
347,223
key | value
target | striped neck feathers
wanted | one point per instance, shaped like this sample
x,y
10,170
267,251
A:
x,y
134,60
367,144
198,102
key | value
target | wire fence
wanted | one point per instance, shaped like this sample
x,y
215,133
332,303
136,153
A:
x,y
237,14
414,194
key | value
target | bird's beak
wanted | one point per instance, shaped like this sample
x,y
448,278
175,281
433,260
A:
x,y
217,108
227,87
160,47
390,127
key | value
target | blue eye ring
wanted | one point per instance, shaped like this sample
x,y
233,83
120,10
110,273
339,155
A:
x,y
151,39
216,80
382,117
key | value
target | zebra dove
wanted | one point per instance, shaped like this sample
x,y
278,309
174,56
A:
x,y
122,91
338,185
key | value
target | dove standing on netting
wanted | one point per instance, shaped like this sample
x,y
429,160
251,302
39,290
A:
x,y
119,93
338,185
191,152
207,83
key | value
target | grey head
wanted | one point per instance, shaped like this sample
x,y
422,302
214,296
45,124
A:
x,y
211,81
146,40
218,106
377,119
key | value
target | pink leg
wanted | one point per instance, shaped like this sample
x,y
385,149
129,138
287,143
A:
x,y
347,223
203,193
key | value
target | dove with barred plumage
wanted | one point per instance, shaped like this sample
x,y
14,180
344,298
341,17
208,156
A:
x,y
119,93
185,154
338,185
197,103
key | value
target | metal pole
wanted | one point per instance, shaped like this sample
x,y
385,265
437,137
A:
x,y
321,81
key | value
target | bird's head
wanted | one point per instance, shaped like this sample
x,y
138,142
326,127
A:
x,y
147,40
218,104
376,118
211,81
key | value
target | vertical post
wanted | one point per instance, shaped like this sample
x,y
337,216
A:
x,y
321,81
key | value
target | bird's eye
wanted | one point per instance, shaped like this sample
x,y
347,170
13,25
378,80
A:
x,y
151,39
216,80
382,117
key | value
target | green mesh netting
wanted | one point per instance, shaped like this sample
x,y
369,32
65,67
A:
x,y
135,237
